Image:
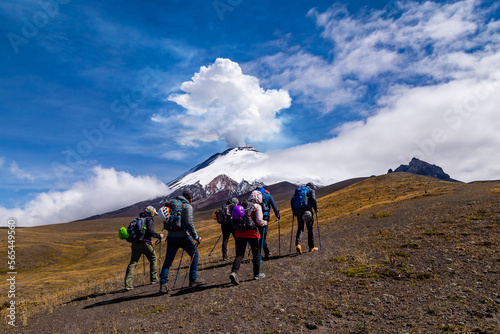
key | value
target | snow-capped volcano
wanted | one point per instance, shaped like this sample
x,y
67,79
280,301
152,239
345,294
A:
x,y
237,163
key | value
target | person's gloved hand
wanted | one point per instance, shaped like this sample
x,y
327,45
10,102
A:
x,y
278,215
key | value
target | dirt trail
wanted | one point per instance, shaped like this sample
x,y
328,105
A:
x,y
427,265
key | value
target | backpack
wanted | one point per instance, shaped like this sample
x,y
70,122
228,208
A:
x,y
224,215
172,220
246,223
136,230
265,201
266,206
300,198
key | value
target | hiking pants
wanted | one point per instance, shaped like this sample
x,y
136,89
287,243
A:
x,y
226,233
173,244
138,249
300,229
262,235
241,247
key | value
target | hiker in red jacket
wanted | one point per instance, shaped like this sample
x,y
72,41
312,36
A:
x,y
246,217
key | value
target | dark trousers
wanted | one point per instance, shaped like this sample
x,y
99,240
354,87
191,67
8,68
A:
x,y
226,233
263,237
241,246
173,245
300,229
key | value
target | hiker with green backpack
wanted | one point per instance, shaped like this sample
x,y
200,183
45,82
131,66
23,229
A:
x,y
303,202
140,232
178,221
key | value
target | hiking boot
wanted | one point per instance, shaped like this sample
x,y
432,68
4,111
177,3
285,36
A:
x,y
299,249
314,249
259,276
225,258
153,282
128,288
266,257
234,278
163,289
197,283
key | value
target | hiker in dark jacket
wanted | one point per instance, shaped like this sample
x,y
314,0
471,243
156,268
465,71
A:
x,y
181,239
227,228
307,213
268,199
144,247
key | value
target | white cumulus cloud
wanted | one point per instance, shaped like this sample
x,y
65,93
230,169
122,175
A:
x,y
222,103
106,190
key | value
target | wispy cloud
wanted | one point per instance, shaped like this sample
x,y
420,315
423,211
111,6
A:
x,y
435,71
424,44
106,190
20,173
223,103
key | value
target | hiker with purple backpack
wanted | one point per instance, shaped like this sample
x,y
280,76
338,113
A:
x,y
247,216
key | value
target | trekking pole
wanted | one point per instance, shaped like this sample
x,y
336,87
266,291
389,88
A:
x,y
159,256
261,247
291,234
190,264
279,237
215,245
144,267
178,268
317,223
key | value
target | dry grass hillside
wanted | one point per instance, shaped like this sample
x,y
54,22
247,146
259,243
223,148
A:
x,y
400,253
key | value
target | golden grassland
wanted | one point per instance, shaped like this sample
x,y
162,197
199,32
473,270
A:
x,y
63,262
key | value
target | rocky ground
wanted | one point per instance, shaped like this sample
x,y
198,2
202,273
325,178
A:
x,y
426,265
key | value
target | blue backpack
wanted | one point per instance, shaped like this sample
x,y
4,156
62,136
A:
x,y
300,198
136,230
265,201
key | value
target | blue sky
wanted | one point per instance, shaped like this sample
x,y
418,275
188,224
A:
x,y
117,96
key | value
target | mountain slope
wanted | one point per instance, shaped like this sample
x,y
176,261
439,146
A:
x,y
400,252
233,162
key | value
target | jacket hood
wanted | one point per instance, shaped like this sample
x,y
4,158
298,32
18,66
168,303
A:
x,y
182,199
255,196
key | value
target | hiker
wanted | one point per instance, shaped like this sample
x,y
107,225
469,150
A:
x,y
247,215
227,225
144,247
267,204
302,203
181,239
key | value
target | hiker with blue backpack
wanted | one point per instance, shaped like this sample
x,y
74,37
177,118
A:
x,y
303,202
178,221
247,216
140,233
267,204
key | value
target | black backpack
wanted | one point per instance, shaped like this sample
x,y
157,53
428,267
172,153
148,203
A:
x,y
224,215
246,223
137,230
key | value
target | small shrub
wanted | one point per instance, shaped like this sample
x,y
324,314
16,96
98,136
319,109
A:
x,y
447,328
381,215
338,259
337,314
